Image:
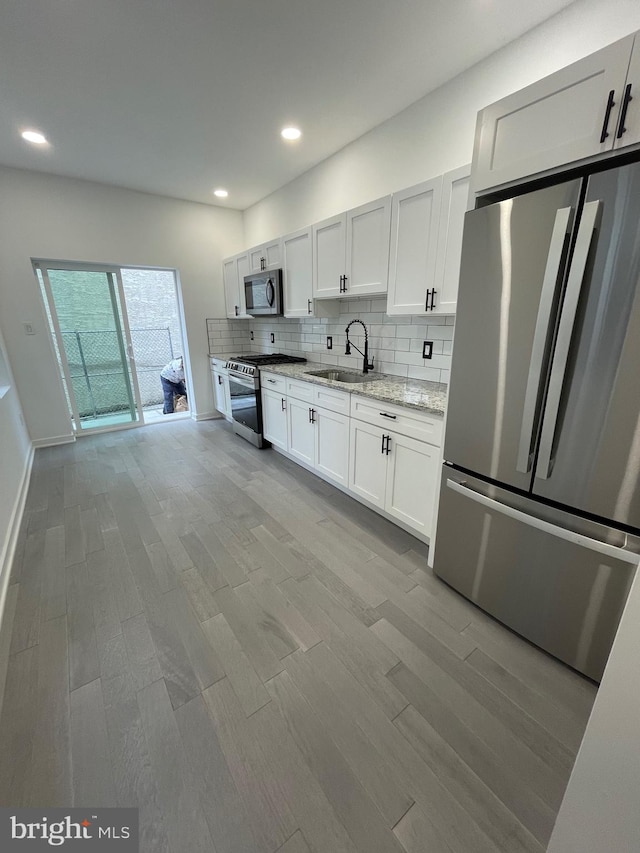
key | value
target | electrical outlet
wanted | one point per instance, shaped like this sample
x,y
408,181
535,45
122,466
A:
x,y
329,342
251,335
28,329
427,349
273,338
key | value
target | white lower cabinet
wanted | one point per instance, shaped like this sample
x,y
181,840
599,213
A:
x,y
274,417
221,393
352,441
368,469
412,475
396,473
302,436
332,445
319,438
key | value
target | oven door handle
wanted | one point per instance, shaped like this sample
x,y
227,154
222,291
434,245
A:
x,y
242,380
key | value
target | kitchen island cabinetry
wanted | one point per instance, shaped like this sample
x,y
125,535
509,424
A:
x,y
576,113
351,252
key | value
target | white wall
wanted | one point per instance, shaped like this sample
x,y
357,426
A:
x,y
62,218
436,133
15,457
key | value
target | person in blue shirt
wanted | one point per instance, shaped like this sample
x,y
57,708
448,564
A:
x,y
172,379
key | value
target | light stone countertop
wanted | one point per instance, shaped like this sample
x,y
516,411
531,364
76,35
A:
x,y
430,397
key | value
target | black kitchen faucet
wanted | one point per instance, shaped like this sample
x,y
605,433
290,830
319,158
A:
x,y
367,366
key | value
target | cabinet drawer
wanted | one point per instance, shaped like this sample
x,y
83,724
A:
x,y
274,382
409,422
300,390
218,364
328,398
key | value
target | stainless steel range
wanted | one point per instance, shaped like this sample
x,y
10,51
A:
x,y
244,387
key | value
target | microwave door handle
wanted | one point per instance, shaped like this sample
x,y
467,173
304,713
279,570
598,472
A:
x,y
555,256
271,293
575,281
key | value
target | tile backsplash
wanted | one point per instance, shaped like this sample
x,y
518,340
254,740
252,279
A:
x,y
394,342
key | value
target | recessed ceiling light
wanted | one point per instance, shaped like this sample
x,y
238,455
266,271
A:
x,y
221,193
291,133
34,136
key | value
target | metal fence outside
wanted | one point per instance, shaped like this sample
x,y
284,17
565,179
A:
x,y
97,375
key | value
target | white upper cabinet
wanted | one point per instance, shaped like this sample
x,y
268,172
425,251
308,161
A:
x,y
329,259
368,234
266,256
415,216
351,252
426,243
628,127
234,270
297,272
570,115
456,201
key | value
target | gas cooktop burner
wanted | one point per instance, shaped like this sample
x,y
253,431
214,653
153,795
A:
x,y
268,358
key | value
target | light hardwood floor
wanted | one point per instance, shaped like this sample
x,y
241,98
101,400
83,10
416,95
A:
x,y
212,634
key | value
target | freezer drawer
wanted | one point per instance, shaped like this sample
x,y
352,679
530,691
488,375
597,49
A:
x,y
557,580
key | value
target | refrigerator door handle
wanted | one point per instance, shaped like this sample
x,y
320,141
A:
x,y
561,227
586,230
604,548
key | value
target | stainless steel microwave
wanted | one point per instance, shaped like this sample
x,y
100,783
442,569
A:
x,y
263,293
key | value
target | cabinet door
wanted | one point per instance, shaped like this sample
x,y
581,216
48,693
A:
x,y
265,256
221,392
628,131
414,246
301,431
328,256
412,475
274,417
552,122
332,445
455,203
367,463
368,235
297,271
230,278
242,267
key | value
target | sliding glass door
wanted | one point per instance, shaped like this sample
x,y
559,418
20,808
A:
x,y
88,315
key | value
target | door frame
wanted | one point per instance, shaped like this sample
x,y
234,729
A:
x,y
123,332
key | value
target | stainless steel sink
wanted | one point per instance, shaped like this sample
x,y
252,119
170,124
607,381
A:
x,y
349,376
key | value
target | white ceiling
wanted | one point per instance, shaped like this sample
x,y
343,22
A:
x,y
179,96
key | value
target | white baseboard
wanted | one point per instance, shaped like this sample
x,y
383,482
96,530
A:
x,y
53,440
205,416
9,550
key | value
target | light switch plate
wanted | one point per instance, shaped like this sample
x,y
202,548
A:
x,y
273,338
329,342
427,349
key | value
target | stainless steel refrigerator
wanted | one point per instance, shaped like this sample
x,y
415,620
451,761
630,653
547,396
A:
x,y
539,518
